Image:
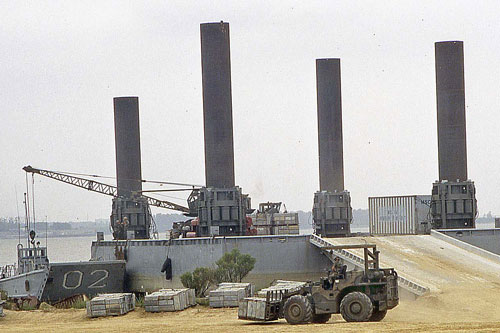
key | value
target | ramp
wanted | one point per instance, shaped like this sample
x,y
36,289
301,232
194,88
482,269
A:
x,y
357,260
431,262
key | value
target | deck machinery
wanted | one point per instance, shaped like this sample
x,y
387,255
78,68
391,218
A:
x,y
130,215
332,212
221,206
453,202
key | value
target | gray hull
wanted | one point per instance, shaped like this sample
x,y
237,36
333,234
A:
x,y
88,278
25,285
278,257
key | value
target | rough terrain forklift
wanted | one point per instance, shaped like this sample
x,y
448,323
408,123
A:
x,y
358,295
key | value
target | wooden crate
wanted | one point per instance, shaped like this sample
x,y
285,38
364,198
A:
x,y
229,294
282,285
110,305
167,300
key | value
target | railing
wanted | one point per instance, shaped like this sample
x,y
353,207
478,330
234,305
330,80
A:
x,y
8,271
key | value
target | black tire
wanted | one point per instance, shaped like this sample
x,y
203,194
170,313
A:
x,y
378,315
321,318
356,306
297,310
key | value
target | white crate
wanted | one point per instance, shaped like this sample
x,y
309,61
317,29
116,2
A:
x,y
282,285
249,287
169,300
252,308
110,304
229,294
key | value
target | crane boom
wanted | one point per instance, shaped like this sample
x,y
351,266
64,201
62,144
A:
x,y
99,187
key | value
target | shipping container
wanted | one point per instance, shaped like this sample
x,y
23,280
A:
x,y
400,215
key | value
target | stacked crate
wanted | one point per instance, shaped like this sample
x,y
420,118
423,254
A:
x,y
286,224
283,286
166,300
229,294
276,223
257,308
249,287
110,305
263,223
267,305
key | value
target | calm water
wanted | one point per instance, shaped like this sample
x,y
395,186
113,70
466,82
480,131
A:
x,y
60,249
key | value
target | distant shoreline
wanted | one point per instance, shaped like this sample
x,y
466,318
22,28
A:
x,y
42,236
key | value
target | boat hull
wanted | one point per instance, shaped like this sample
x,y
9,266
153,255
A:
x,y
25,285
83,278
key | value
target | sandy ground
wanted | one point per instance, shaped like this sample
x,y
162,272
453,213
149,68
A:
x,y
409,317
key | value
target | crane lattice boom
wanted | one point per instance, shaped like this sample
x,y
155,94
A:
x,y
99,187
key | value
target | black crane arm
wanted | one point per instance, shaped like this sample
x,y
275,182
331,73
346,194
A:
x,y
98,187
165,204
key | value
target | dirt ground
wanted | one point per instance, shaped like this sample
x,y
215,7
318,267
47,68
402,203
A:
x,y
433,313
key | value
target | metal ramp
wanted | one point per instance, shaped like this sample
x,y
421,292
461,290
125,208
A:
x,y
359,262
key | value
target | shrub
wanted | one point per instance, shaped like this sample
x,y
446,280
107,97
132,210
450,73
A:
x,y
79,304
200,280
234,266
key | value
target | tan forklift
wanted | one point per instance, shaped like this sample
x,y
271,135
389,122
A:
x,y
359,296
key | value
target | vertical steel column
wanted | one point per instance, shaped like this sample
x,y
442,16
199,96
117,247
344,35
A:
x,y
127,145
329,100
450,90
217,105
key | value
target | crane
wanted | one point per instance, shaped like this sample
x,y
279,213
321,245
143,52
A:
x,y
102,188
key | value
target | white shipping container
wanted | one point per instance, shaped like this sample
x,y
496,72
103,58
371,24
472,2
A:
x,y
399,215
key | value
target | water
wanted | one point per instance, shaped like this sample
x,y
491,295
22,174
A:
x,y
60,249
63,249
353,229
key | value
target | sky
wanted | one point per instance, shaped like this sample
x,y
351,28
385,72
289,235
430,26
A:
x,y
62,62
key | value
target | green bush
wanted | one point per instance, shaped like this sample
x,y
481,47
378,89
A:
x,y
200,280
234,266
139,301
79,304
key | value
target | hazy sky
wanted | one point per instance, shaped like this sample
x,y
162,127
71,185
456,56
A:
x,y
62,62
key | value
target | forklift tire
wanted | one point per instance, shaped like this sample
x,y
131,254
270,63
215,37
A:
x,y
321,318
378,315
297,310
356,306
